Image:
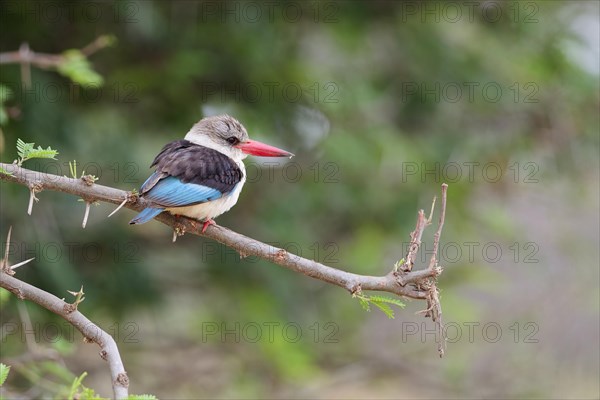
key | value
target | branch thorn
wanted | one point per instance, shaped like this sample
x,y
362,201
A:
x,y
4,264
86,214
32,190
118,208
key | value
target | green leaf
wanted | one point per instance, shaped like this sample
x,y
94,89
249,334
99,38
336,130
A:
x,y
89,394
77,67
4,369
43,153
388,300
387,310
80,392
381,302
26,151
76,384
141,397
23,148
364,303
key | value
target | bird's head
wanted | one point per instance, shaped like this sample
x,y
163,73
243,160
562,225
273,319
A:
x,y
228,136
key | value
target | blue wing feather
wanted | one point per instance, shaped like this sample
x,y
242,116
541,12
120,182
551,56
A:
x,y
146,215
171,192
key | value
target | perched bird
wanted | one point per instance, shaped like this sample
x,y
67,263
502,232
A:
x,y
201,177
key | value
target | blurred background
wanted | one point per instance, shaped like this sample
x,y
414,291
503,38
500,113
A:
x,y
381,102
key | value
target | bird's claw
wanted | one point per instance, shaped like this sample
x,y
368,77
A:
x,y
206,224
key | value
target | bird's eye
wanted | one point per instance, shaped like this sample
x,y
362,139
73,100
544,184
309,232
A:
x,y
232,140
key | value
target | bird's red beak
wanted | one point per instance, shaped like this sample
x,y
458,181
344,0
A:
x,y
260,149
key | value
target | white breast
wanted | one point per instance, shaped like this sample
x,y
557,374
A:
x,y
213,209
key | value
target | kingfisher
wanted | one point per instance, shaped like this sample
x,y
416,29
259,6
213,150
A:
x,y
201,176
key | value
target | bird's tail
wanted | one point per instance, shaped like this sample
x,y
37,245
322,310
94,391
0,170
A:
x,y
146,215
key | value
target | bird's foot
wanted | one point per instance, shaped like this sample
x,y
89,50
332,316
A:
x,y
206,224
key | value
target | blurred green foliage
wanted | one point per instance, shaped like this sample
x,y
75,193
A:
x,y
388,99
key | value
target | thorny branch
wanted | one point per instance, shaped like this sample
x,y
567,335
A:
x,y
401,281
90,331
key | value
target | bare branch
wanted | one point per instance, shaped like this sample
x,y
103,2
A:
x,y
25,56
416,276
90,331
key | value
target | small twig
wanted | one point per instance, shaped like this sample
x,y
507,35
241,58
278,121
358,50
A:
x,y
431,211
438,233
98,44
415,241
